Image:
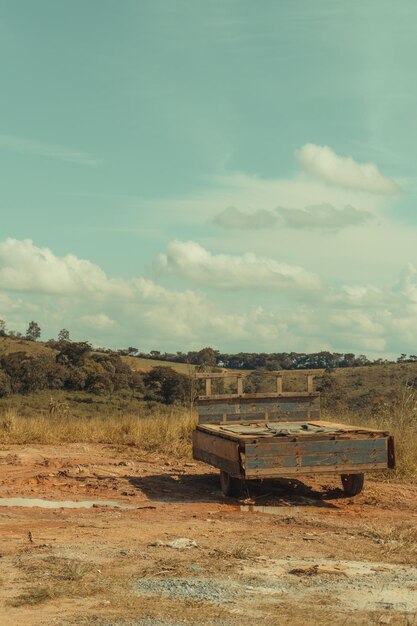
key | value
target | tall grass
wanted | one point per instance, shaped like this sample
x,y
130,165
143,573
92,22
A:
x,y
168,430
158,430
399,418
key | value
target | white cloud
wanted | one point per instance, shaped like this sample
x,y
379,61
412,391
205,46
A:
x,y
357,296
323,216
225,271
316,217
99,320
325,164
26,267
232,218
369,318
28,146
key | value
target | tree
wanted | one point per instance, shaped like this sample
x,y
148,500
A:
x,y
3,331
33,332
28,374
164,384
207,357
63,335
72,353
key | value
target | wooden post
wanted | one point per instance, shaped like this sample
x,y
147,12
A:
x,y
240,385
310,384
208,386
279,384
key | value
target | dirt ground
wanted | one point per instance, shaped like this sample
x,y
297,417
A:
x,y
181,553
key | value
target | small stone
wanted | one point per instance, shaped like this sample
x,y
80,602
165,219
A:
x,y
182,543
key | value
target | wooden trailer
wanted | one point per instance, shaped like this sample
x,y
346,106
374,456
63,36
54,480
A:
x,y
280,434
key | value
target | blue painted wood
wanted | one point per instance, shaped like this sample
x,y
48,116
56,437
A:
x,y
276,447
247,409
336,458
248,406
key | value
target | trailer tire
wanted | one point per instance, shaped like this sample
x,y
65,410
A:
x,y
352,484
229,485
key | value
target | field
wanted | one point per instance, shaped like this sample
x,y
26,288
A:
x,y
120,527
144,365
161,546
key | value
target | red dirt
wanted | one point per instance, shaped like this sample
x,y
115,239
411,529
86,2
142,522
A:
x,y
98,565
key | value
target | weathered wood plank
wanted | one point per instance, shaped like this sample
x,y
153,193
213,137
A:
x,y
242,405
350,428
230,467
223,448
287,472
235,374
277,447
258,396
312,460
272,409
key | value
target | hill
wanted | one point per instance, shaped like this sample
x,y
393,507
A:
x,y
138,364
10,345
366,388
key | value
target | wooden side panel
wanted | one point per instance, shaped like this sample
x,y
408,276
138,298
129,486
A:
x,y
216,451
249,409
298,457
267,448
288,472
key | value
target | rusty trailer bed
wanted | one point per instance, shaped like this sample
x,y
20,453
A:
x,y
280,434
324,447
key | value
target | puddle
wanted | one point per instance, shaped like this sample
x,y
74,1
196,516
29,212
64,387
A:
x,y
65,504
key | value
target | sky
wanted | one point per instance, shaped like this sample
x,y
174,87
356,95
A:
x,y
181,173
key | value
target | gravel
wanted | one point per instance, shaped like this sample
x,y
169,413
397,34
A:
x,y
199,590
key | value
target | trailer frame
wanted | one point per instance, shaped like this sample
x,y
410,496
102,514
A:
x,y
280,433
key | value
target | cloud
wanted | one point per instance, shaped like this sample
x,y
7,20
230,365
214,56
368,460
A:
x,y
234,218
323,216
52,151
223,271
26,267
284,309
325,164
99,320
317,217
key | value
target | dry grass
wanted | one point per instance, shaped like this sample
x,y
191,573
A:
x,y
395,539
70,578
138,364
165,430
399,418
240,552
32,348
169,429
32,596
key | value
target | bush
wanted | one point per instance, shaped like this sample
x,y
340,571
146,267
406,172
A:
x,y
164,384
5,384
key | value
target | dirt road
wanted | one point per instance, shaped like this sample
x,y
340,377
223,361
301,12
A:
x,y
166,548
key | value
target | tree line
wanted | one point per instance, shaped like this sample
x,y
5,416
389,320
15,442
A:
x,y
76,366
269,360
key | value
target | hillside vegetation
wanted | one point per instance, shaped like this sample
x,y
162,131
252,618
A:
x,y
63,391
33,372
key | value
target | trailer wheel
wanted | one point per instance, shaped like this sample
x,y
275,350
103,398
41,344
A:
x,y
352,483
229,485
